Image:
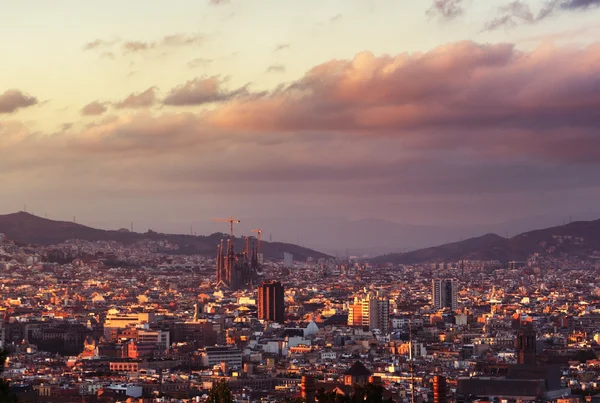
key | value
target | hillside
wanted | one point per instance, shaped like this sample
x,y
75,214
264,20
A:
x,y
30,229
494,247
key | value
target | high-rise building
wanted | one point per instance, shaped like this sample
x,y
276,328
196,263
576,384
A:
x,y
271,305
440,389
372,311
309,388
355,313
445,293
526,345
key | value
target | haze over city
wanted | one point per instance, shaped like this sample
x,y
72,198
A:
x,y
450,113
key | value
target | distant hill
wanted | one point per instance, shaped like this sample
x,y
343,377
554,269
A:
x,y
520,247
30,229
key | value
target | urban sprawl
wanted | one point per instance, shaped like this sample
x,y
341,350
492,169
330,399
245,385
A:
x,y
100,321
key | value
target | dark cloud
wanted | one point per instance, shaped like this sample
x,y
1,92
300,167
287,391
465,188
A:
x,y
202,90
13,100
218,2
446,9
579,4
139,100
520,12
95,108
512,14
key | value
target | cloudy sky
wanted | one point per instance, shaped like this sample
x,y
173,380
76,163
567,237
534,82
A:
x,y
421,112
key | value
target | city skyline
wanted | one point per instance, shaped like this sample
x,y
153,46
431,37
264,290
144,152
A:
x,y
441,112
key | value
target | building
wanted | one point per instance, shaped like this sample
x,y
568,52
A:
x,y
309,389
134,349
216,355
444,293
156,337
127,365
526,346
199,333
357,374
126,390
125,320
236,270
355,313
440,389
372,311
521,383
271,303
415,348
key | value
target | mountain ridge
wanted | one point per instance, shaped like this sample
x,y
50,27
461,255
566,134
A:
x,y
31,229
495,247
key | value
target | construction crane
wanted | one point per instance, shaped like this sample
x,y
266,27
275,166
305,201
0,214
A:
x,y
231,221
258,231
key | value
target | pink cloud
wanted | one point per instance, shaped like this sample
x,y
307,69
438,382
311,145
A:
x,y
462,86
202,90
95,108
139,100
461,118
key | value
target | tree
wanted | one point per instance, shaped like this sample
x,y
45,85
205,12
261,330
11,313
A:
x,y
330,397
369,393
584,355
220,393
6,395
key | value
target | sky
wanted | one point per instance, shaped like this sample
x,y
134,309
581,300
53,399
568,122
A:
x,y
445,112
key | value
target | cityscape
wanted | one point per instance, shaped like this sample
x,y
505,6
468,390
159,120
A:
x,y
102,321
300,201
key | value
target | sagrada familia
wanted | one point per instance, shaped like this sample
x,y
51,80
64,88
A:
x,y
236,271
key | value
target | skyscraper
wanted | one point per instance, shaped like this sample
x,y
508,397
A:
x,y
271,302
445,293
